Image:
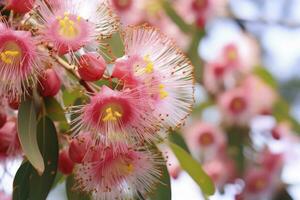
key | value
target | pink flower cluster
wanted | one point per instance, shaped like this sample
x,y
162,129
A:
x,y
111,151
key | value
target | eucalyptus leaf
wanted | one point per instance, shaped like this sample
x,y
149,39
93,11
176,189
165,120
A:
x,y
177,138
163,190
194,169
21,182
28,184
266,76
48,143
27,134
54,109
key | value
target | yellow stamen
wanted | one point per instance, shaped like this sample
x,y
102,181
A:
x,y
232,55
67,26
8,56
130,168
162,92
126,168
111,115
260,184
149,64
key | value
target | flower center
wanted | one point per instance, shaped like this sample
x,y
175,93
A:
x,y
147,66
237,105
8,56
111,114
67,25
11,54
127,168
260,184
232,55
162,92
206,139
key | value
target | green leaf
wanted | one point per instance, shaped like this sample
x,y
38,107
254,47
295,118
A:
x,y
48,144
54,109
163,191
186,28
70,96
194,169
266,76
73,194
281,112
21,182
177,138
112,47
27,135
28,184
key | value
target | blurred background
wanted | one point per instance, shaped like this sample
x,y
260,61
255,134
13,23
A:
x,y
245,124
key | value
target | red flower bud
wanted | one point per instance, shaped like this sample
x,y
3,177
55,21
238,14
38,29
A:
x,y
14,104
65,164
79,147
50,83
20,6
91,67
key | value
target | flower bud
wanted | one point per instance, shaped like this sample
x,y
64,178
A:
x,y
14,103
65,164
20,6
50,83
91,67
79,147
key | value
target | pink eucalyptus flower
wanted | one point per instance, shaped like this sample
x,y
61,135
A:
x,y
118,115
154,60
204,138
236,106
110,175
263,96
76,24
218,77
19,62
257,180
221,170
